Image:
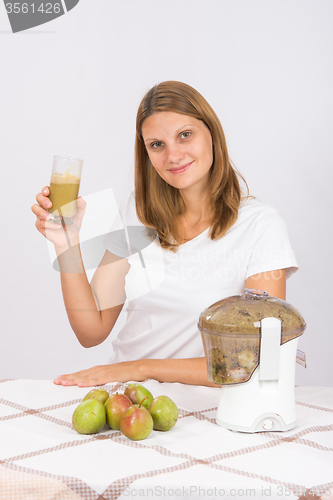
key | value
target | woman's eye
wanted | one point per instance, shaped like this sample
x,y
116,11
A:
x,y
185,135
156,145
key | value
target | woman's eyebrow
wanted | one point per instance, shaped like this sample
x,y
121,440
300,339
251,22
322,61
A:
x,y
149,140
177,132
184,126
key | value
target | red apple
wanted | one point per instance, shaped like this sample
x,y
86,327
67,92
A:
x,y
115,406
136,423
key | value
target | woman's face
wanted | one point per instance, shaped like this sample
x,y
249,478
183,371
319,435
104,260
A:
x,y
180,149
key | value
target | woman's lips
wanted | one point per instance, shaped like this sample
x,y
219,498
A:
x,y
182,168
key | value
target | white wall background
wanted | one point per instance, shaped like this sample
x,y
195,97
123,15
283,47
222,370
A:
x,y
72,86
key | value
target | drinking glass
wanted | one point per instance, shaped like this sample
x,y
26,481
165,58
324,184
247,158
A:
x,y
64,188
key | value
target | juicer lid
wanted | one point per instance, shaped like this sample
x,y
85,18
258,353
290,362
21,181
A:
x,y
240,315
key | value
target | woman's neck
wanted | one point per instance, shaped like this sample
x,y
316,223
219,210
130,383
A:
x,y
196,218
197,209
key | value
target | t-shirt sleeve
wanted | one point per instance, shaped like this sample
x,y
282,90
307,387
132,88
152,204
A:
x,y
272,249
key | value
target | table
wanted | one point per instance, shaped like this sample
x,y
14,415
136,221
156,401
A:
x,y
43,458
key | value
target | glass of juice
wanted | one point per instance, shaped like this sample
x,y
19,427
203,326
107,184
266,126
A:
x,y
64,188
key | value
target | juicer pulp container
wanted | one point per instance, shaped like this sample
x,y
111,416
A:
x,y
250,343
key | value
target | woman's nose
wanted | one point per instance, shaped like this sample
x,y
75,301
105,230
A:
x,y
175,153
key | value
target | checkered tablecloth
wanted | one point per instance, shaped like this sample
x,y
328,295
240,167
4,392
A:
x,y
43,458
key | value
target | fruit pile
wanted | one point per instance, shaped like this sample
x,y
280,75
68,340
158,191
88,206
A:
x,y
135,413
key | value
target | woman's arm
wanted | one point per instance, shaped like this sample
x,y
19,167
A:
x,y
273,282
92,309
187,371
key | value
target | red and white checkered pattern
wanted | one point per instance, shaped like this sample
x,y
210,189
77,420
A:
x,y
43,458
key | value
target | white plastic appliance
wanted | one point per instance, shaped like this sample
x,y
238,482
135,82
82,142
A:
x,y
250,343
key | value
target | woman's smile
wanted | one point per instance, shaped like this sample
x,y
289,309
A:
x,y
182,168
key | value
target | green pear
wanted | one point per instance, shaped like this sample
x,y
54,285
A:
x,y
89,417
99,394
139,395
164,412
136,423
115,406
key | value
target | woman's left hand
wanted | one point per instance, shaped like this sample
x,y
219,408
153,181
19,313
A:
x,y
102,374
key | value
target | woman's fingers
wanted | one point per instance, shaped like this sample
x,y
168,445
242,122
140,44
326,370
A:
x,y
49,229
80,209
43,204
40,212
46,226
81,204
102,374
42,198
42,221
98,375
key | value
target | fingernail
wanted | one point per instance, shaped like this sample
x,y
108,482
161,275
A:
x,y
46,216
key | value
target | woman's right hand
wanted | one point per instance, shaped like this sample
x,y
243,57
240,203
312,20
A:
x,y
60,236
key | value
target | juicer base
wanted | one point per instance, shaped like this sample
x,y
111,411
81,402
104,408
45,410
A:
x,y
267,422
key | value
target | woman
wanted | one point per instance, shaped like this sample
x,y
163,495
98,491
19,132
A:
x,y
212,243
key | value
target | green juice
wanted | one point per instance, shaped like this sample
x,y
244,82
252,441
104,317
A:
x,y
64,190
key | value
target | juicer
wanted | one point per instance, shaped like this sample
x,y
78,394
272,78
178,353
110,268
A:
x,y
250,343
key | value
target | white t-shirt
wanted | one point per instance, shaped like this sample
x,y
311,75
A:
x,y
167,291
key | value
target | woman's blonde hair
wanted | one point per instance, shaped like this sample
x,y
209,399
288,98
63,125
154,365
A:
x,y
158,204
